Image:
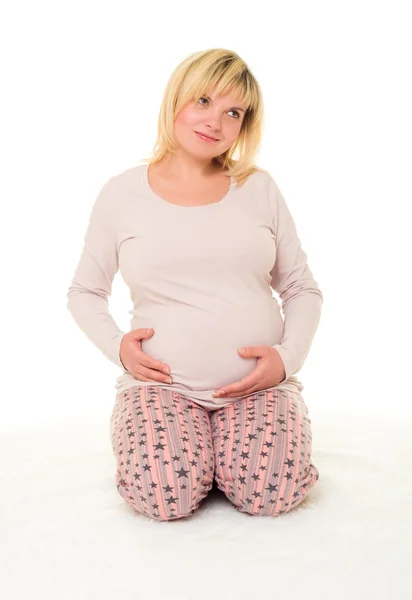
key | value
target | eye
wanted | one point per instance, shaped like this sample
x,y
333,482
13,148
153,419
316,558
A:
x,y
233,111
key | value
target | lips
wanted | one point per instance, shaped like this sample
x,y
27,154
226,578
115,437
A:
x,y
206,135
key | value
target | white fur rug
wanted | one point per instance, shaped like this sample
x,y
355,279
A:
x,y
66,534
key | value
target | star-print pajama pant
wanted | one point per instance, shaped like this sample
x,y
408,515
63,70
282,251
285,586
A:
x,y
169,450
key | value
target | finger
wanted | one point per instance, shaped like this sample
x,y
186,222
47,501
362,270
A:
x,y
151,363
245,392
153,374
142,378
243,384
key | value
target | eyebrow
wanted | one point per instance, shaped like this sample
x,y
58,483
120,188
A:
x,y
232,107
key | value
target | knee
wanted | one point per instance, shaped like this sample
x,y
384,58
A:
x,y
273,502
271,509
169,514
177,507
166,503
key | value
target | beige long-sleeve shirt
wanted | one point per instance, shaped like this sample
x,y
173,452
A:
x,y
202,278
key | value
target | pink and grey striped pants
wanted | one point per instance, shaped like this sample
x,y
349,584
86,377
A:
x,y
169,450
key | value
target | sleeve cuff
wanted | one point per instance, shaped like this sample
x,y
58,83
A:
x,y
286,359
113,350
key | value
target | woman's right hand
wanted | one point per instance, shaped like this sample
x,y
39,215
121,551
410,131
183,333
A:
x,y
138,363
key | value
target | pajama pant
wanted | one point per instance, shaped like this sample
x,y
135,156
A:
x,y
169,450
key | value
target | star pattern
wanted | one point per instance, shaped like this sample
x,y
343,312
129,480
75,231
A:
x,y
263,448
169,449
163,446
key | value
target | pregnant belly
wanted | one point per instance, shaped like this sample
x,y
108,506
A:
x,y
201,348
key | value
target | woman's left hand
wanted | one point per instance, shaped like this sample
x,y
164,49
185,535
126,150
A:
x,y
268,372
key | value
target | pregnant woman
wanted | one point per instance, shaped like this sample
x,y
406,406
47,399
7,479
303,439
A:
x,y
202,239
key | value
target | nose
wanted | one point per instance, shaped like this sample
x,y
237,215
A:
x,y
213,126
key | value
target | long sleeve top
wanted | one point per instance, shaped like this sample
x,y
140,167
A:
x,y
202,277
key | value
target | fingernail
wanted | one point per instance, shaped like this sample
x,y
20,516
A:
x,y
167,371
215,394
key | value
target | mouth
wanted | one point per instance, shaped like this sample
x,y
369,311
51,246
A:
x,y
206,137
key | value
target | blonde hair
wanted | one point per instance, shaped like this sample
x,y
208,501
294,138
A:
x,y
197,75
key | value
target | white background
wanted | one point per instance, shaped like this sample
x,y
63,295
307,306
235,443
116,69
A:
x,y
82,85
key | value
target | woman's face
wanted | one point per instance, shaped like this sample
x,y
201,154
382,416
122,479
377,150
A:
x,y
218,116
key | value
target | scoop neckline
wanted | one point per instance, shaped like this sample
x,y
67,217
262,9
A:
x,y
161,200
